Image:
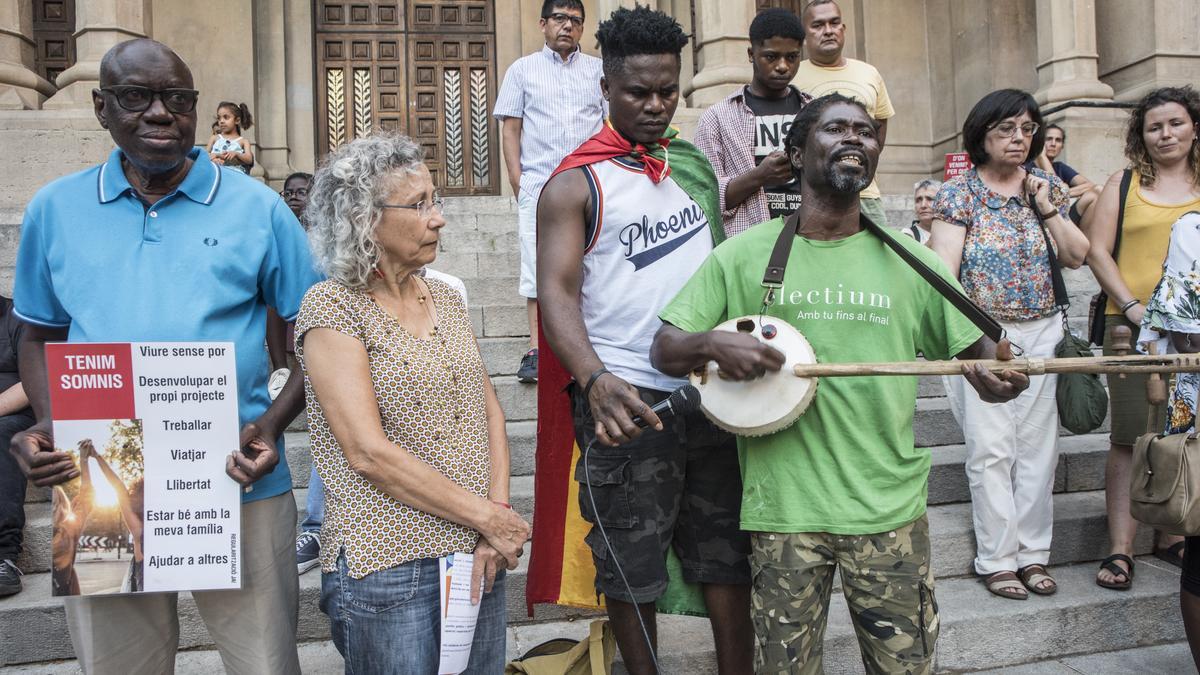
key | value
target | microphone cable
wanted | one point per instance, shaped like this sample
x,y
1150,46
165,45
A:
x,y
587,478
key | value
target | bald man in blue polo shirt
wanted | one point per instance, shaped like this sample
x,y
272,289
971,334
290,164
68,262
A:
x,y
158,243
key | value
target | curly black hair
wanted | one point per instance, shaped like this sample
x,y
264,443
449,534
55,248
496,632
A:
x,y
809,115
776,22
1135,145
632,32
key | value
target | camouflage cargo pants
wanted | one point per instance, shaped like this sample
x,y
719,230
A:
x,y
888,584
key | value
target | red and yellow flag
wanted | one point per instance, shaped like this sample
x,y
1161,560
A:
x,y
560,564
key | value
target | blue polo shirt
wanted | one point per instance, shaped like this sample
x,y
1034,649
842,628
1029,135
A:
x,y
203,263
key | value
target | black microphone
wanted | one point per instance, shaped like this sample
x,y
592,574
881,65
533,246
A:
x,y
683,401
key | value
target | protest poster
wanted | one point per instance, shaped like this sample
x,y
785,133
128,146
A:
x,y
957,163
150,426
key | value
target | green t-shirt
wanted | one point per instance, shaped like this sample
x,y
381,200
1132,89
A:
x,y
848,465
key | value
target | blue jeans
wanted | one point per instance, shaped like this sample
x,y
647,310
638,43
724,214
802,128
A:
x,y
314,506
390,621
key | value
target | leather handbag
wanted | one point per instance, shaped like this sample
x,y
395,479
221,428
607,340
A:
x,y
1164,490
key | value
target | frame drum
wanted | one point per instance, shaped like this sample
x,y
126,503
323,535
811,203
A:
x,y
765,405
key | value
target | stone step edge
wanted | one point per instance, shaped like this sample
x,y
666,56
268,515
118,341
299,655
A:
x,y
965,608
974,624
1076,515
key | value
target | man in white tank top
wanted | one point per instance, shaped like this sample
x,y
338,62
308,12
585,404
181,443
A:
x,y
622,225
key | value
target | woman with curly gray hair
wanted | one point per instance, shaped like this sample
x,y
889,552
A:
x,y
406,431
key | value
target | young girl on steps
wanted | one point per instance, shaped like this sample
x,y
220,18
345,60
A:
x,y
227,145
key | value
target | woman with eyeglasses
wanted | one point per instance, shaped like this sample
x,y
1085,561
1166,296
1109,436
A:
x,y
406,431
994,227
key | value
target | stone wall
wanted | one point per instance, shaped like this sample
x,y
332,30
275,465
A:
x,y
938,58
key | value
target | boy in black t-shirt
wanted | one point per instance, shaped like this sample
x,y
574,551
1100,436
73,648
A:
x,y
772,119
743,135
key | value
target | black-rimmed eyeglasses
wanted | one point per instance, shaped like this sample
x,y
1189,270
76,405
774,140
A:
x,y
136,98
424,208
1009,129
560,18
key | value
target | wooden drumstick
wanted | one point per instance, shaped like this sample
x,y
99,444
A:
x,y
1138,363
1121,338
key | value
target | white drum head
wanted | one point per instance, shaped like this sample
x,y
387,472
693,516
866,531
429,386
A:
x,y
766,405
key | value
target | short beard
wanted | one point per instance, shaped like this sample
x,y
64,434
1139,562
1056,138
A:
x,y
843,183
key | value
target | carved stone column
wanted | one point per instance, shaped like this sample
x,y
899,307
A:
x,y
1067,70
99,25
721,37
1067,58
21,88
298,35
270,91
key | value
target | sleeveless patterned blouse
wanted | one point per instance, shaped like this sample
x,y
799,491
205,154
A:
x,y
431,402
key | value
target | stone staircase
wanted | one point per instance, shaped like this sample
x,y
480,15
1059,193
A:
x,y
979,631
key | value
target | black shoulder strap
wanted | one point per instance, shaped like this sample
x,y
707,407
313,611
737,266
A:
x,y
961,302
1061,300
1126,179
773,277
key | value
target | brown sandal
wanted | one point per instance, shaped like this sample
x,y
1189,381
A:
x,y
1005,584
1033,576
1125,576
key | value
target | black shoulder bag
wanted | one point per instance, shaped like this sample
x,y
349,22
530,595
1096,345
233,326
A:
x,y
1100,300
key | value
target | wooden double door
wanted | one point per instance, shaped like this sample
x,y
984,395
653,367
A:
x,y
424,68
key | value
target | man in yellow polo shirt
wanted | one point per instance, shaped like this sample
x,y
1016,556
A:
x,y
826,71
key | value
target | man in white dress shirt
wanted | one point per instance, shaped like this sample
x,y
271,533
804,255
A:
x,y
549,103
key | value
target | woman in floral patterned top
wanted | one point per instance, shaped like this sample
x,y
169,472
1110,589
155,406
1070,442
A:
x,y
407,434
987,229
1172,317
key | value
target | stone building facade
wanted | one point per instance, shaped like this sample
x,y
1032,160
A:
x,y
317,72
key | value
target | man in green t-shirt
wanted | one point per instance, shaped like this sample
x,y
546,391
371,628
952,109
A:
x,y
843,486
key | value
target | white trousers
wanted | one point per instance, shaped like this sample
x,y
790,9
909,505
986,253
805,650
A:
x,y
1012,451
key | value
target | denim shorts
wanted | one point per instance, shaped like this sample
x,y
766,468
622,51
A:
x,y
677,487
390,621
